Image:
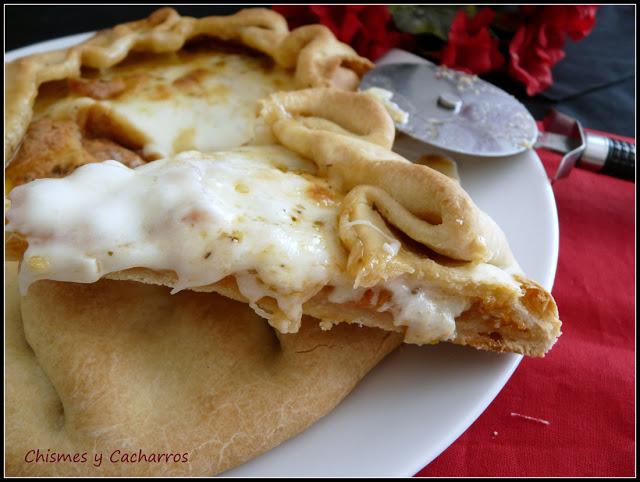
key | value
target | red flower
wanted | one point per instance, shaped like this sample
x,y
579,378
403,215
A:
x,y
368,29
471,47
578,20
538,44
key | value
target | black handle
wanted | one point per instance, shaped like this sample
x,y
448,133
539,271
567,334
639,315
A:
x,y
621,160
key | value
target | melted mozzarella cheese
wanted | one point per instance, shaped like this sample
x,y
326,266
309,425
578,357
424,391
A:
x,y
204,217
256,213
427,314
205,102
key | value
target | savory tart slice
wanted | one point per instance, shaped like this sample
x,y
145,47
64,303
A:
x,y
322,219
153,88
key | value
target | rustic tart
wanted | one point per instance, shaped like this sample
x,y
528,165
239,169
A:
x,y
146,278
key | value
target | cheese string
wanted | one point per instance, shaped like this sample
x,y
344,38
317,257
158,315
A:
x,y
394,243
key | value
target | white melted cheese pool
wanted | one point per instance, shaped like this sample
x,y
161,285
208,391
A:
x,y
206,217
255,213
204,102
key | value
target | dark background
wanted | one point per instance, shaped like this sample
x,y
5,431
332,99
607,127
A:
x,y
594,83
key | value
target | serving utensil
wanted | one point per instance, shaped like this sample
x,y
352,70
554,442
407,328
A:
x,y
464,114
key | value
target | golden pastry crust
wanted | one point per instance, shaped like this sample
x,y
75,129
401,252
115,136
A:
x,y
315,54
125,366
426,205
56,148
446,242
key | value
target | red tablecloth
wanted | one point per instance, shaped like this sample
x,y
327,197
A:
x,y
584,387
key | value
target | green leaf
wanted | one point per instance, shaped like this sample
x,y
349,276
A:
x,y
427,19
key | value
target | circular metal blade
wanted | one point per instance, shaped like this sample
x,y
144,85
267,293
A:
x,y
456,111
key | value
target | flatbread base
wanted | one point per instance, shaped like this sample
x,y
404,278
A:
x,y
195,383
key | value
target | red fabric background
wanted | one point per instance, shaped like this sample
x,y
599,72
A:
x,y
585,386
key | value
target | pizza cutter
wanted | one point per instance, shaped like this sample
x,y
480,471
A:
x,y
464,114
456,111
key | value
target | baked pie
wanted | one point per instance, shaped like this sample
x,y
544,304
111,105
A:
x,y
303,213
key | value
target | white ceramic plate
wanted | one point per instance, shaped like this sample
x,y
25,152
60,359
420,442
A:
x,y
415,403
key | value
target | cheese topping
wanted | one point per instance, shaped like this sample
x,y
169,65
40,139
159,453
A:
x,y
256,213
428,315
205,217
203,101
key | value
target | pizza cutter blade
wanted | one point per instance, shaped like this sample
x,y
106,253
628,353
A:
x,y
455,111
